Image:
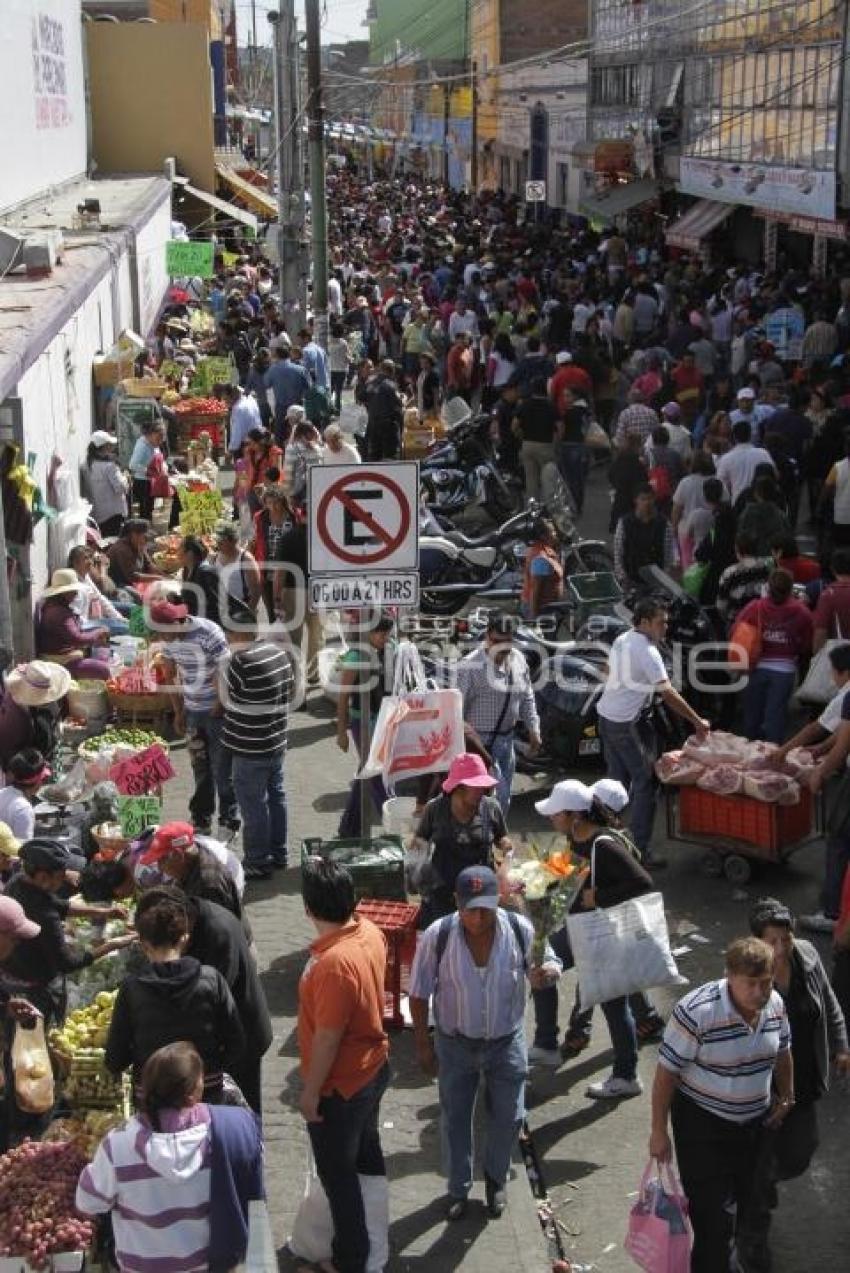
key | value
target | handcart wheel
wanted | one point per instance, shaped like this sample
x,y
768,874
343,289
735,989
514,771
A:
x,y
737,869
711,864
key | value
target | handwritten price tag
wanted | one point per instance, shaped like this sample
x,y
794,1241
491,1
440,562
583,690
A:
x,y
143,773
135,813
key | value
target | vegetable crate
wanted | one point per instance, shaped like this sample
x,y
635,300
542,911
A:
x,y
376,865
397,921
137,708
757,831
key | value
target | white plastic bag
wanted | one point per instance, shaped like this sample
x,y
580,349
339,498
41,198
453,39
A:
x,y
818,686
312,1233
416,734
620,949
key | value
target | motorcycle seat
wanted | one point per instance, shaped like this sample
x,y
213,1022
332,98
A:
x,y
465,541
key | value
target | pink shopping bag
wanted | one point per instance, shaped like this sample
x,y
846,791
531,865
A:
x,y
660,1237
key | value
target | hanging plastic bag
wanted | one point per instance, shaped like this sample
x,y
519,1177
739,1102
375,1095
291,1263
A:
x,y
34,1093
621,949
312,1233
659,1238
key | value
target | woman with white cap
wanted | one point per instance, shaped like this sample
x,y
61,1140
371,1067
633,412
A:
x,y
105,483
58,634
616,876
613,797
29,708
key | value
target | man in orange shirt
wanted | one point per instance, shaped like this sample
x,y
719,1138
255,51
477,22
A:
x,y
344,1050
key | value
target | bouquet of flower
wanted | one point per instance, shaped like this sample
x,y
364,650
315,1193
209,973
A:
x,y
547,885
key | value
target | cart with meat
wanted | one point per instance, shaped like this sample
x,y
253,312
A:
x,y
726,793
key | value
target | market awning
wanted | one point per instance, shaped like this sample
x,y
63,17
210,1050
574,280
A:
x,y
697,223
222,206
616,200
260,200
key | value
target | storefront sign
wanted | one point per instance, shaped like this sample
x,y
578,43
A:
x,y
802,191
137,813
200,511
142,773
815,226
186,259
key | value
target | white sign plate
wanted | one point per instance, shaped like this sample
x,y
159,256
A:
x,y
535,192
364,518
363,591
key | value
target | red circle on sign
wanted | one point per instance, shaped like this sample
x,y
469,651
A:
x,y
390,542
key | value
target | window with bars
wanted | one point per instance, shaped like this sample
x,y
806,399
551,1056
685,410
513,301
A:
x,y
778,107
615,85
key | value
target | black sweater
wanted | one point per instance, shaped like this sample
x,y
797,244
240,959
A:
x,y
178,1000
617,874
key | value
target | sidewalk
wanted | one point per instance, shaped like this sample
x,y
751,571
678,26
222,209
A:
x,y
317,775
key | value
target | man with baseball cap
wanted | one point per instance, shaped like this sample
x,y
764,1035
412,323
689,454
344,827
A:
x,y
39,970
192,866
497,696
474,964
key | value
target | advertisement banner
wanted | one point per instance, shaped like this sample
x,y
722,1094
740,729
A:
x,y
800,190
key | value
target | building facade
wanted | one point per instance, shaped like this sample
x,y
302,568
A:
x,y
737,103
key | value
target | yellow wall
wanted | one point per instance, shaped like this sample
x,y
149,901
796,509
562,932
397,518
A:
x,y
205,13
486,51
151,97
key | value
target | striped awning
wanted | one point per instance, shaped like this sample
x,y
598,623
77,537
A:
x,y
696,225
229,210
254,196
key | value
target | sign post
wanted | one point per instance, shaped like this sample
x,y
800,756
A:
x,y
363,553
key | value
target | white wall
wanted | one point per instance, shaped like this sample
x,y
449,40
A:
x,y
42,96
58,407
150,265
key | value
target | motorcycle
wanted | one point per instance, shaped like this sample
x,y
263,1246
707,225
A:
x,y
454,568
461,472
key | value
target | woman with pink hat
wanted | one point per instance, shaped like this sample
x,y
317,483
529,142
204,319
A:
x,y
459,828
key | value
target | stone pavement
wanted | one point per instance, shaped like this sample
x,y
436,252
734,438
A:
x,y
317,776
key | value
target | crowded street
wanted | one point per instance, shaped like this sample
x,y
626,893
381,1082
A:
x,y
424,644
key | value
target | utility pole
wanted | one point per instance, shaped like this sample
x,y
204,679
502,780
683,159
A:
x,y
318,193
447,99
473,167
286,123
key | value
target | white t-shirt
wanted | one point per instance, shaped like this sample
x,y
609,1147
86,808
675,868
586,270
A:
x,y
737,467
830,717
17,812
688,494
635,670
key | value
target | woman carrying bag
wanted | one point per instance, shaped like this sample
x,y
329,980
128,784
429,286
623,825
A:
x,y
784,628
616,875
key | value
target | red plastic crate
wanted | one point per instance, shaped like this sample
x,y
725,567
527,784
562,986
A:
x,y
768,827
397,921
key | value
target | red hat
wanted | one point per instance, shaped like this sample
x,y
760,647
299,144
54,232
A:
x,y
468,770
166,612
172,837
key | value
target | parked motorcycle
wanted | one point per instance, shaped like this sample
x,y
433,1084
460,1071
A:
x,y
461,472
454,568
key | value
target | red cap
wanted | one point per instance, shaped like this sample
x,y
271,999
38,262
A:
x,y
172,837
168,612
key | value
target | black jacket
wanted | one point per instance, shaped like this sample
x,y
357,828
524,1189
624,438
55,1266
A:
x,y
218,940
616,873
36,969
181,999
385,418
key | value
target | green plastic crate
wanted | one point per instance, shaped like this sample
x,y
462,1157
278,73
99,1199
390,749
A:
x,y
595,589
382,879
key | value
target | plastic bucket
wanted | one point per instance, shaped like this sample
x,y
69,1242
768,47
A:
x,y
398,815
92,706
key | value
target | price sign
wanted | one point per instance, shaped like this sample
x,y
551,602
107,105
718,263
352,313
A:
x,y
184,258
200,511
136,813
143,773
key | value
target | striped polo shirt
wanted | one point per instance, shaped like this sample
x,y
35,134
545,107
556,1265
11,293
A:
x,y
259,683
724,1065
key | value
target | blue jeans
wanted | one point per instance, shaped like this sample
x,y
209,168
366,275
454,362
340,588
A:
x,y
258,781
347,1144
766,704
211,767
503,1063
573,461
621,1023
502,751
630,757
